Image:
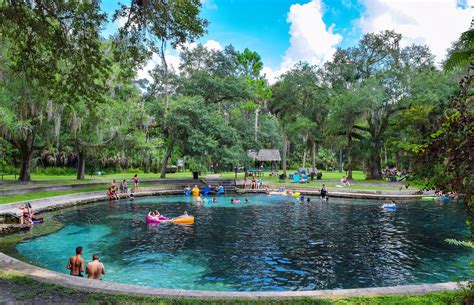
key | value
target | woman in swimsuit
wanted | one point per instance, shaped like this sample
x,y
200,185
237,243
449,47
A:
x,y
26,216
135,183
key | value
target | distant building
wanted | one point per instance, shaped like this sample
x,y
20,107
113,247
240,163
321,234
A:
x,y
265,155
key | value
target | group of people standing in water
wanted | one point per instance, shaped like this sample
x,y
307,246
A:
x,y
196,193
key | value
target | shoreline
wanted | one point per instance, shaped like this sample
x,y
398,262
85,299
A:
x,y
11,264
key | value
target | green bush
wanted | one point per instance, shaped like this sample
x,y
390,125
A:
x,y
54,171
8,169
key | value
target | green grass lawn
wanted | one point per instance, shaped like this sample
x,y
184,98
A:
x,y
331,179
27,290
45,194
71,179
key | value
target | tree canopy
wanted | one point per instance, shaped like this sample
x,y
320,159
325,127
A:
x,y
71,98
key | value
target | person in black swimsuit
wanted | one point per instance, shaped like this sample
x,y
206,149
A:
x,y
324,193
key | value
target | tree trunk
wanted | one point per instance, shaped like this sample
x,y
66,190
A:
x,y
349,156
377,124
166,103
26,152
305,142
146,162
374,166
313,154
167,155
25,170
340,160
165,79
81,164
256,124
304,158
81,160
285,148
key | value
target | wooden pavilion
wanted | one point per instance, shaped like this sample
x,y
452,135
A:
x,y
265,155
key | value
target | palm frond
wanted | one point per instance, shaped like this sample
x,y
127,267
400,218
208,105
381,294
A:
x,y
459,59
468,244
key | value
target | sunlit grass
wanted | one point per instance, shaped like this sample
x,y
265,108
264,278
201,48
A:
x,y
330,179
45,194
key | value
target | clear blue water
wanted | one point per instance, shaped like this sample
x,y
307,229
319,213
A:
x,y
271,244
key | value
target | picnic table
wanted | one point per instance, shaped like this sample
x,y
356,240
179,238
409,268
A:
x,y
255,172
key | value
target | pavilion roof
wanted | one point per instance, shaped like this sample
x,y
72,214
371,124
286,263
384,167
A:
x,y
265,155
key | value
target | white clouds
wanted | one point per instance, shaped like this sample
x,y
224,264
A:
x,y
434,23
172,58
270,75
213,45
311,40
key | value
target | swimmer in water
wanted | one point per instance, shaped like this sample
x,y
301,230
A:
x,y
392,204
185,215
76,263
95,269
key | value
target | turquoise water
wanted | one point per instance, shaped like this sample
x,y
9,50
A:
x,y
270,244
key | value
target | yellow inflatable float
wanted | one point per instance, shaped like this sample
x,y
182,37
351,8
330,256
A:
x,y
277,193
183,221
284,194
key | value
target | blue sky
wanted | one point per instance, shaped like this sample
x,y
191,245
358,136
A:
x,y
284,32
261,25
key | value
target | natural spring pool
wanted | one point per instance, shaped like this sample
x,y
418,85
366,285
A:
x,y
272,243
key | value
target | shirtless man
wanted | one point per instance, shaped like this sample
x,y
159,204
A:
x,y
76,263
95,269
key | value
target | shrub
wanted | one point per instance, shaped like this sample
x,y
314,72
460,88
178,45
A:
x,y
54,171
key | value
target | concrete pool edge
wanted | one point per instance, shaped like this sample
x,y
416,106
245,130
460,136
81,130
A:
x,y
11,265
57,202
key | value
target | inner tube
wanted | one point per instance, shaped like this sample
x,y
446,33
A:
x,y
389,206
296,194
184,221
429,198
236,201
154,219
